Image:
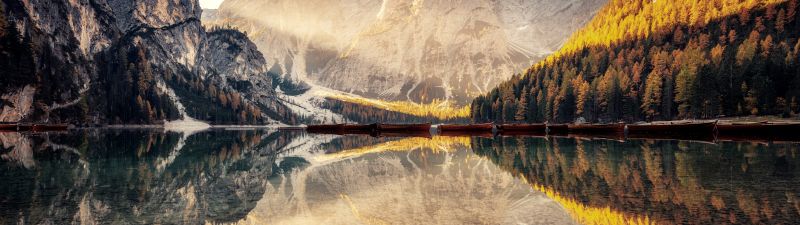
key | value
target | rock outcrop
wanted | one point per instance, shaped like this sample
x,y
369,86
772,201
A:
x,y
231,60
99,62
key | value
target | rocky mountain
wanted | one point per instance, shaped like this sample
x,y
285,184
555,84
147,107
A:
x,y
405,50
128,61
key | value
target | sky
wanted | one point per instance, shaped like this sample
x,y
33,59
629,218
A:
x,y
210,4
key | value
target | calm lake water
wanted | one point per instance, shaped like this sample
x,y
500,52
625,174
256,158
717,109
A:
x,y
277,177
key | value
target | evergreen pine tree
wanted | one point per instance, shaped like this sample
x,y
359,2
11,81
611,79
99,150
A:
x,y
651,101
522,106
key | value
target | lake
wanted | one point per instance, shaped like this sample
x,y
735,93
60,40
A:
x,y
221,176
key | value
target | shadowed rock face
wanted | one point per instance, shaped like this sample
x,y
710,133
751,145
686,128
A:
x,y
79,48
406,50
231,60
131,14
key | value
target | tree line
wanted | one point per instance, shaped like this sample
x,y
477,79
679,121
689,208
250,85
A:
x,y
737,64
365,114
206,101
130,89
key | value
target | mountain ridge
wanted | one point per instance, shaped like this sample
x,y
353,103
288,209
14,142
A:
x,y
417,51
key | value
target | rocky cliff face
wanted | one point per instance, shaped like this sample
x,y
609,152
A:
x,y
230,60
406,50
100,61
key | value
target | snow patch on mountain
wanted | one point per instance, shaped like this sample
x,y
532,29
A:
x,y
308,105
186,124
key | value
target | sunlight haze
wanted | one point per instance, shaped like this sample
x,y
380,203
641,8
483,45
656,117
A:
x,y
572,112
210,4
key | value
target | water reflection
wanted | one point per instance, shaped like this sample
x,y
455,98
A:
x,y
277,177
672,182
141,177
403,181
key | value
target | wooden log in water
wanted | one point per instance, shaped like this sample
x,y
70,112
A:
x,y
24,127
8,127
522,128
616,128
326,129
759,131
49,127
384,127
291,128
410,133
19,127
466,127
557,129
360,129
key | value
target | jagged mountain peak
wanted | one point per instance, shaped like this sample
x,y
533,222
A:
x,y
131,14
420,50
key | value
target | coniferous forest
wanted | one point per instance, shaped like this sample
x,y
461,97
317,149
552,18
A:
x,y
647,60
366,114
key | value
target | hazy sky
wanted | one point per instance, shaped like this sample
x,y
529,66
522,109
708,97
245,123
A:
x,y
210,4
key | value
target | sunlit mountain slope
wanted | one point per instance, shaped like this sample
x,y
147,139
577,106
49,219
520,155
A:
x,y
418,51
663,60
624,20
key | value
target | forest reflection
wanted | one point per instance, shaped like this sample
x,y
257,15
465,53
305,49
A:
x,y
276,177
657,181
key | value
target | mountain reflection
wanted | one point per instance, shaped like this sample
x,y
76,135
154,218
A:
x,y
670,182
403,181
276,177
140,177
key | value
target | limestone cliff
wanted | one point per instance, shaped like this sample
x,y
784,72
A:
x,y
417,50
102,61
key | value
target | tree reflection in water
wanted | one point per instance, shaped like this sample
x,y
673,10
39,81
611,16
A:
x,y
672,182
260,176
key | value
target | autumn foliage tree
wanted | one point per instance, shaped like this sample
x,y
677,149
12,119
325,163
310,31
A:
x,y
662,60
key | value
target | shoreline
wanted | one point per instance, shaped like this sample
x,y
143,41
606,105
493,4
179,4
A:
x,y
147,126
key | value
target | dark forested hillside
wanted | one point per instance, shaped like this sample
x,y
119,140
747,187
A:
x,y
661,60
130,90
37,82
